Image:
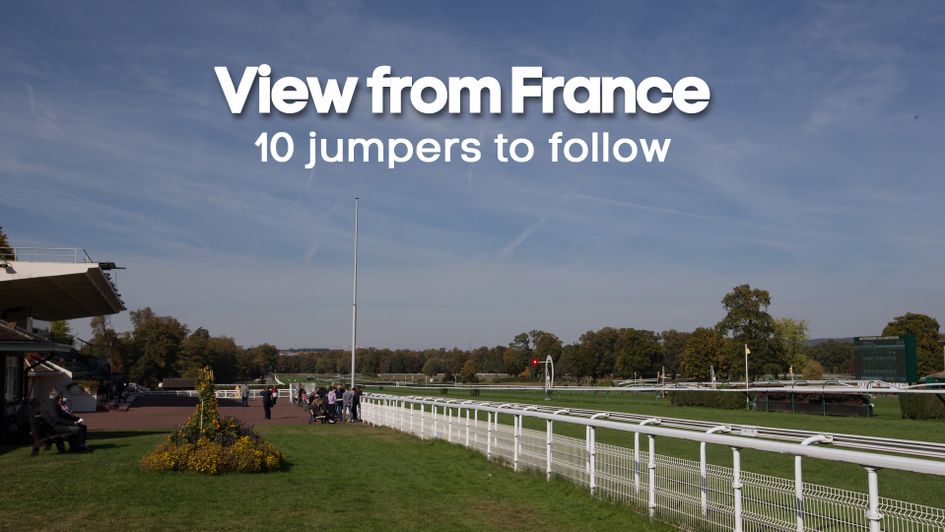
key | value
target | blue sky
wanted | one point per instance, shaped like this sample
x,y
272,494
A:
x,y
815,174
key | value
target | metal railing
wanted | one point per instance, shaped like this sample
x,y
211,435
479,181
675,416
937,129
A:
x,y
692,494
28,254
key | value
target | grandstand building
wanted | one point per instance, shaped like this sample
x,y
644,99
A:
x,y
45,285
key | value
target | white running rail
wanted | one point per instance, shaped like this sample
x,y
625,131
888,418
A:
x,y
691,494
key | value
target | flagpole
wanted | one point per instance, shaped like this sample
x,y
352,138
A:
x,y
354,304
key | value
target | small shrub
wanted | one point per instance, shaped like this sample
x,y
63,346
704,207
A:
x,y
921,406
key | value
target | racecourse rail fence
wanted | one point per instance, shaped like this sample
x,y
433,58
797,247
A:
x,y
692,494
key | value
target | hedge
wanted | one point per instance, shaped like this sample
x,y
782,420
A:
x,y
921,406
727,400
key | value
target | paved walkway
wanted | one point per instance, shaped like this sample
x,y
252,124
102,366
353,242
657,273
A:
x,y
166,416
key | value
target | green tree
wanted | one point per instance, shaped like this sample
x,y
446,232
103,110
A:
x,y
264,357
813,370
105,342
598,352
6,251
791,337
705,349
222,357
747,322
545,345
516,360
567,364
638,353
469,370
193,353
60,332
834,355
673,343
431,367
156,342
925,329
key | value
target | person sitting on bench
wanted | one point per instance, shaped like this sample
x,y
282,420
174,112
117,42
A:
x,y
64,422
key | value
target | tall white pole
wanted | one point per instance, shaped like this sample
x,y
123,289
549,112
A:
x,y
354,304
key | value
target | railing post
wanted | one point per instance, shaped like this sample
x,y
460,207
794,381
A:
x,y
737,486
467,427
799,478
489,435
872,513
591,438
704,470
548,440
651,464
436,432
411,417
449,423
590,465
422,418
516,439
476,428
636,453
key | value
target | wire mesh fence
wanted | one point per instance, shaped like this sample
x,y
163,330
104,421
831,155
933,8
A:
x,y
681,494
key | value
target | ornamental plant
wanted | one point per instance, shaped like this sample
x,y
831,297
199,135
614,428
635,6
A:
x,y
212,444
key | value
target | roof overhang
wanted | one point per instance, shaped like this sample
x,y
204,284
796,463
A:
x,y
33,347
57,291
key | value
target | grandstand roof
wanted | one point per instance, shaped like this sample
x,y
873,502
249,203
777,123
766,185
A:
x,y
57,290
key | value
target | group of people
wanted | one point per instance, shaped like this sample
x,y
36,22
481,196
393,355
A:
x,y
334,404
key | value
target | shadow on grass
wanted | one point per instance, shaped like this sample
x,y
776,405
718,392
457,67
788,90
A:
x,y
117,434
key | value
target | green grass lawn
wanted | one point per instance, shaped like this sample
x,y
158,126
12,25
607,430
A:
x,y
921,489
351,477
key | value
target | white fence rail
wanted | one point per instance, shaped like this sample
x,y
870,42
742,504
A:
x,y
692,494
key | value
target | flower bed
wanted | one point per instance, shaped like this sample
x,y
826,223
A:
x,y
211,444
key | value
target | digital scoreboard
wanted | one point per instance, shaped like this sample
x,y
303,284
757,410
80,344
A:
x,y
885,358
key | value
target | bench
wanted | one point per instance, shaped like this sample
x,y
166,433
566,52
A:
x,y
43,435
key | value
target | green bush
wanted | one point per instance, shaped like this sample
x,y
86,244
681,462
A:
x,y
727,400
922,406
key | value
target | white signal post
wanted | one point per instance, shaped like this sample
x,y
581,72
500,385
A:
x,y
549,371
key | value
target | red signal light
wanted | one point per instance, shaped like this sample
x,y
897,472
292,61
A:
x,y
534,361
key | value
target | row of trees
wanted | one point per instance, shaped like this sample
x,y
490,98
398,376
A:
x,y
158,347
779,346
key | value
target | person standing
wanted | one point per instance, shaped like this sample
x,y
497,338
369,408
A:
x,y
244,394
332,399
339,404
348,400
356,404
267,402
